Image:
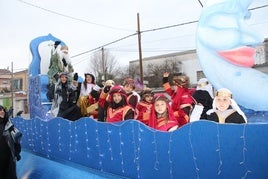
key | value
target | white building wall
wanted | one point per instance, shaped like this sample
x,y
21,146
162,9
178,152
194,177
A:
x,y
190,67
189,63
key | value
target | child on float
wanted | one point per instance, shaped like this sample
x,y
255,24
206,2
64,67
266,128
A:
x,y
93,102
63,97
84,90
181,99
225,109
162,117
132,96
104,100
118,108
143,109
204,95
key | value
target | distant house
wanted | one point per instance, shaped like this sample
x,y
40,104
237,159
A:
x,y
5,86
20,91
14,90
5,76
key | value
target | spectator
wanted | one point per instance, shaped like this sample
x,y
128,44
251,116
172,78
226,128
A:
x,y
181,99
10,147
63,97
19,113
162,117
143,109
225,109
10,112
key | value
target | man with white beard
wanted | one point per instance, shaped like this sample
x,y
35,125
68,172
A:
x,y
59,62
55,65
65,60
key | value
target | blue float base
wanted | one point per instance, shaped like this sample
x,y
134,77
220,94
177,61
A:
x,y
32,166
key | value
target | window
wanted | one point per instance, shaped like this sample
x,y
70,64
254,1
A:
x,y
17,84
4,82
200,75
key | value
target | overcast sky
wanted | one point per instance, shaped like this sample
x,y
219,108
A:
x,y
86,24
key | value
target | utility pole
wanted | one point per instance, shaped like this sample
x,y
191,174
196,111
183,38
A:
x,y
140,52
11,87
103,64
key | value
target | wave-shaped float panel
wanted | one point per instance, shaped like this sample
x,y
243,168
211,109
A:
x,y
201,149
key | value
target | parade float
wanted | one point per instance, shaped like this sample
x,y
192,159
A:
x,y
58,148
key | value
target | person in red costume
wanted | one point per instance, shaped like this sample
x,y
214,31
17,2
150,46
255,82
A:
x,y
132,96
118,108
162,117
181,99
104,100
93,102
143,108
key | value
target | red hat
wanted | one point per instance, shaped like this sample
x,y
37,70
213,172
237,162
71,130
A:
x,y
117,89
161,97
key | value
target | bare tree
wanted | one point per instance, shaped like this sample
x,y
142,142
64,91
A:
x,y
154,77
171,65
155,71
104,65
134,71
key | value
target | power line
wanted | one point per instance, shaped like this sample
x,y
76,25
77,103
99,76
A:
x,y
171,26
74,18
259,7
166,27
101,47
191,22
105,45
200,3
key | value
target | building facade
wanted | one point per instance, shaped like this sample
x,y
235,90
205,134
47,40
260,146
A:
x,y
14,91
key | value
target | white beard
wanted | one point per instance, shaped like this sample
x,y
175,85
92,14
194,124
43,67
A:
x,y
65,56
67,59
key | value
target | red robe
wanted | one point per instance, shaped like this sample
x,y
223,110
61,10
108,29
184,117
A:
x,y
180,101
119,114
92,111
132,100
163,124
143,111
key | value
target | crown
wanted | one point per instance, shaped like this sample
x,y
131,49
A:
x,y
224,93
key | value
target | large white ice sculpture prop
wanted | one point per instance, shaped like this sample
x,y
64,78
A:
x,y
225,46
